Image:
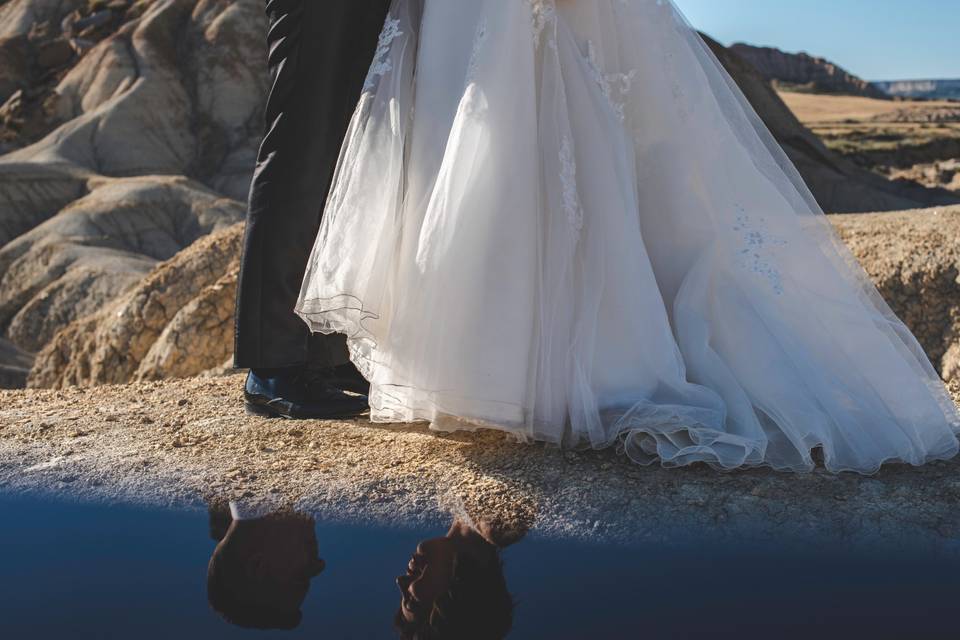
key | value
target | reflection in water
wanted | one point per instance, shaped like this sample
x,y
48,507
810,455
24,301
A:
x,y
454,588
66,573
260,571
454,585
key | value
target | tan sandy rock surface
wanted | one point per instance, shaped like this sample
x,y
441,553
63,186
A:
x,y
914,259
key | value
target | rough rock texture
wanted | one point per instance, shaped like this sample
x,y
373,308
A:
x,y
99,246
188,441
803,71
178,321
118,89
33,193
199,337
18,17
15,365
838,184
914,258
177,90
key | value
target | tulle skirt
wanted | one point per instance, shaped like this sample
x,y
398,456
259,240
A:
x,y
563,220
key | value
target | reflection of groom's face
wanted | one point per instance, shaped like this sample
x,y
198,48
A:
x,y
260,572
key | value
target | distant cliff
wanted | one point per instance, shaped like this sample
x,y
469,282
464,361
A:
x,y
804,72
930,89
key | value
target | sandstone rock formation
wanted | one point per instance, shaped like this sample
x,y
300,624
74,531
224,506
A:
x,y
19,17
805,72
127,154
32,193
99,246
177,90
178,321
914,259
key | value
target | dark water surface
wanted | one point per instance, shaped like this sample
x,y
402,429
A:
x,y
81,571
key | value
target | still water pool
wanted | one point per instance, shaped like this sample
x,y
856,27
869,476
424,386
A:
x,y
79,571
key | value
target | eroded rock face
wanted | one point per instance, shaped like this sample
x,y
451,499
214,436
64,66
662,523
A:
x,y
19,17
200,336
177,90
806,71
99,246
914,259
33,193
119,95
178,321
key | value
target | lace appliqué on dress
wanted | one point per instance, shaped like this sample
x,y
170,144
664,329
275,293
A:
x,y
615,87
381,63
543,13
757,252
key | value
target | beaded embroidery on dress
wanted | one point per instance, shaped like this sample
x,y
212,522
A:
x,y
561,218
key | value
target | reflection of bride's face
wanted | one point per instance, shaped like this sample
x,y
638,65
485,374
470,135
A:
x,y
454,588
429,574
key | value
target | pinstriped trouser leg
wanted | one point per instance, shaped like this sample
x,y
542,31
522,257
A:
x,y
319,54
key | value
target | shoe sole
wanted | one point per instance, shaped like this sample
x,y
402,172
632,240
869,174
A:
x,y
263,411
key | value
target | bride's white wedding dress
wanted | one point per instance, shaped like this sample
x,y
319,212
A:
x,y
561,218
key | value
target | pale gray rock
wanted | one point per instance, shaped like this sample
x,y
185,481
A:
x,y
177,90
18,17
98,247
31,193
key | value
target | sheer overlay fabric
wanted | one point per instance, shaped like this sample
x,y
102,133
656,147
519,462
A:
x,y
562,219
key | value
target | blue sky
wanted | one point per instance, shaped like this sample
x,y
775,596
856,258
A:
x,y
875,39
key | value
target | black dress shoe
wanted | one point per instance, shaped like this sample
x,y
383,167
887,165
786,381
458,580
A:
x,y
345,378
292,394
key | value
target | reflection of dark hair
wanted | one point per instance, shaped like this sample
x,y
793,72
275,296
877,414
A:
x,y
235,587
243,599
476,607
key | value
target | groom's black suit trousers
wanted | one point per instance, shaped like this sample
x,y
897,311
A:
x,y
319,55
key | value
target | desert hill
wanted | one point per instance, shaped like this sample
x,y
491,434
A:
x,y
803,72
130,129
